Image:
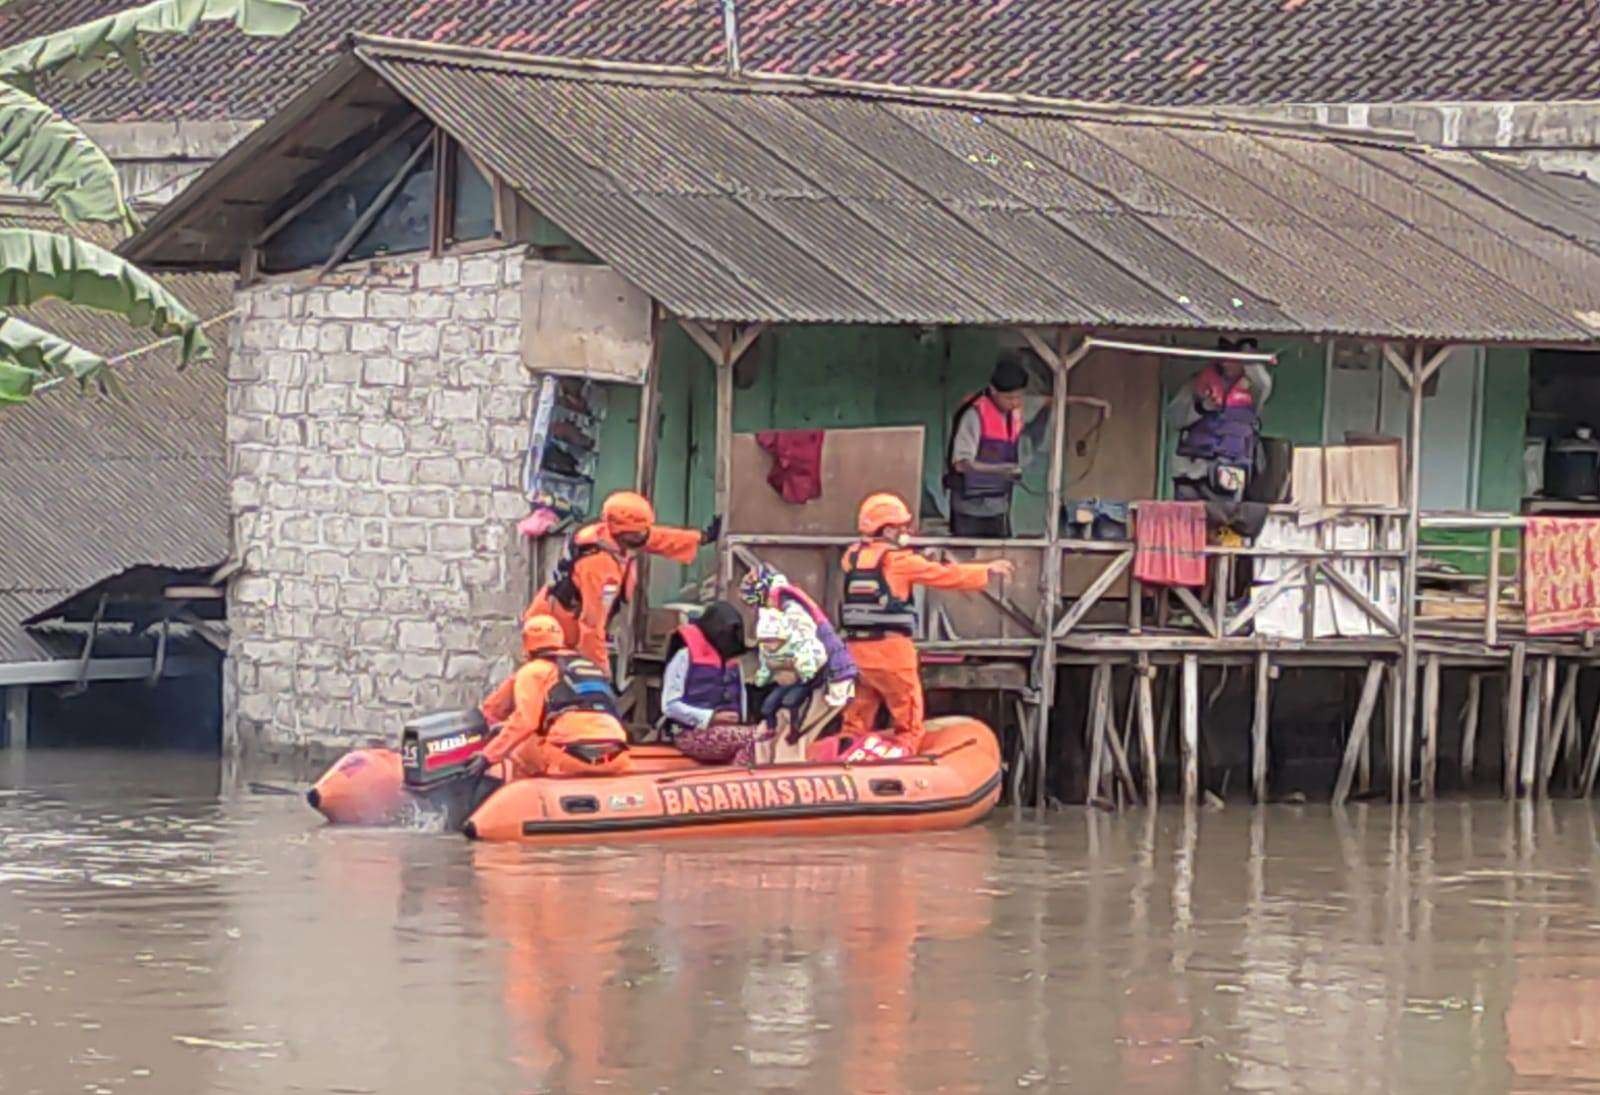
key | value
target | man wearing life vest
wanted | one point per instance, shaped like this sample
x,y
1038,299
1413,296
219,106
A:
x,y
879,617
564,719
599,569
989,448
1217,416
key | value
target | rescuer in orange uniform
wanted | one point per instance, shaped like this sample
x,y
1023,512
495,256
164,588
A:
x,y
598,570
878,616
564,719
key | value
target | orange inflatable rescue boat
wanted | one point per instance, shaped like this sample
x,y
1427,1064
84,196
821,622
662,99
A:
x,y
954,781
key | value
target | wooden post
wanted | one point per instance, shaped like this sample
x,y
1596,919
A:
x,y
724,441
644,468
1516,681
1099,715
1533,718
1189,743
1135,607
1408,597
1400,778
1258,730
1147,731
1359,730
1591,767
1558,727
1491,619
1430,727
1050,574
1574,740
1469,729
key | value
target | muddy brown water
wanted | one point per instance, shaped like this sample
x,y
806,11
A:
x,y
164,930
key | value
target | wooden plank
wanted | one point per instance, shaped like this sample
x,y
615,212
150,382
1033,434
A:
x,y
855,462
379,203
1344,585
1430,727
1135,607
1408,586
1470,715
1092,595
701,338
1260,599
1359,730
1221,577
1258,728
1147,730
318,192
1516,682
1190,739
1192,603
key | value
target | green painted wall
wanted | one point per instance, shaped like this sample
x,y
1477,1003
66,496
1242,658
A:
x,y
1505,421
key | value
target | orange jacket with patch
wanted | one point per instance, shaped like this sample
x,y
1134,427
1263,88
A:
x,y
602,576
531,687
904,568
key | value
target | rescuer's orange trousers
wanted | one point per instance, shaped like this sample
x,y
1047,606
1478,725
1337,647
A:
x,y
890,677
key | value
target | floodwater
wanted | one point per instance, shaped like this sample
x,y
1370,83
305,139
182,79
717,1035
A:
x,y
164,930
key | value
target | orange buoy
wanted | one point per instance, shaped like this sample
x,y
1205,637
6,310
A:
x,y
364,787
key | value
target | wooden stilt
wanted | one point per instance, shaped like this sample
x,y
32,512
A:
x,y
1099,715
1190,739
1430,726
1591,767
1558,728
1399,753
1574,742
1120,770
1532,730
1516,684
1258,729
1359,730
1168,720
1470,714
1147,731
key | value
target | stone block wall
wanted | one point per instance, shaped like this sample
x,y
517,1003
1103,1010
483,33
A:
x,y
376,429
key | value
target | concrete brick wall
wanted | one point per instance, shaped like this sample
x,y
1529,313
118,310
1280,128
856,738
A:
x,y
376,426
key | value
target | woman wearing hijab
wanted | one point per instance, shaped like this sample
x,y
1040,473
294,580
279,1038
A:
x,y
702,691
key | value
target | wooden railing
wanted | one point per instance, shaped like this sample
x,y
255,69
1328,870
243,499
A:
x,y
1503,572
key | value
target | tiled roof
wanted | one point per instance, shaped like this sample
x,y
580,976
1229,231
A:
x,y
92,486
1152,52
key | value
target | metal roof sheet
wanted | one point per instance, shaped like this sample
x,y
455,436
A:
x,y
758,200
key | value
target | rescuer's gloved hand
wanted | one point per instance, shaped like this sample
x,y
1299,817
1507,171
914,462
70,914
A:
x,y
476,767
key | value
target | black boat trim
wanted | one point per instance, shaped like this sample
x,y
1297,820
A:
x,y
727,817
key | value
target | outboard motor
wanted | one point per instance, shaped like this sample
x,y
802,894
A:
x,y
434,753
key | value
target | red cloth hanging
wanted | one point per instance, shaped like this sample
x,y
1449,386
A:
x,y
1170,543
796,463
1561,564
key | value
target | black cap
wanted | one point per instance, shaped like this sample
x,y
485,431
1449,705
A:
x,y
1010,375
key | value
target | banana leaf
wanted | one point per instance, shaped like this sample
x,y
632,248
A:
x,y
78,51
44,151
39,265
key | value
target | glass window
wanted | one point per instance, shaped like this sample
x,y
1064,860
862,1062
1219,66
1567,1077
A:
x,y
474,201
310,238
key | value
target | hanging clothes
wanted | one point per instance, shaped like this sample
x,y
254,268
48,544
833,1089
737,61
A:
x,y
1561,564
1169,544
796,463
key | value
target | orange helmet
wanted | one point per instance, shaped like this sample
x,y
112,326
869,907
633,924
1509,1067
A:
x,y
880,511
541,633
626,512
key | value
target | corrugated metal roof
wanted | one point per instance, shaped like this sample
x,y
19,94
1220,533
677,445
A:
x,y
786,205
92,486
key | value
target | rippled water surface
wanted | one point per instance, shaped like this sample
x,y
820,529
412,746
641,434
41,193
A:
x,y
163,930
